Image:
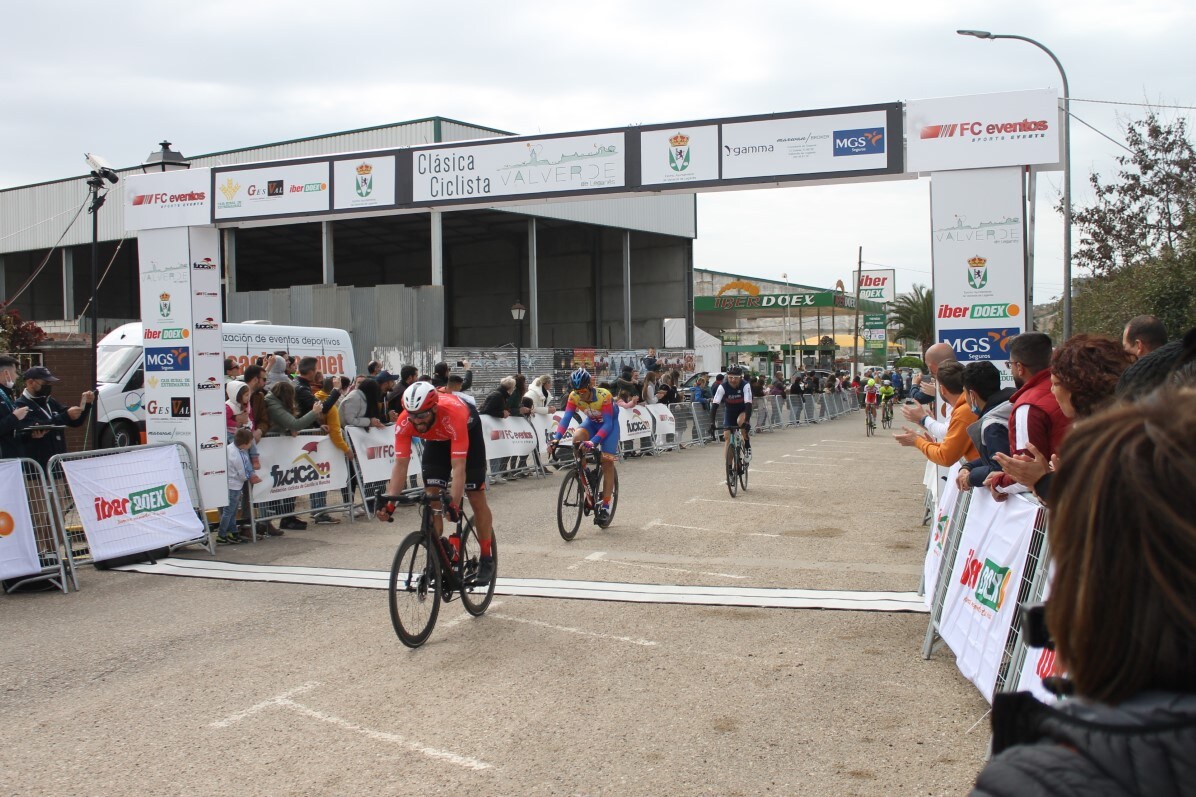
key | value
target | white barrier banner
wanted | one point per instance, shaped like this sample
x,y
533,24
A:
x,y
666,424
132,502
374,450
938,536
1039,663
508,437
985,580
18,546
554,421
635,423
299,466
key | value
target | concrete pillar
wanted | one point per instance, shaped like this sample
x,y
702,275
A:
x,y
533,292
230,261
627,289
327,250
437,248
68,283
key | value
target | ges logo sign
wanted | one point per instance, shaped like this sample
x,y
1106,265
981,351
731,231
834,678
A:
x,y
166,359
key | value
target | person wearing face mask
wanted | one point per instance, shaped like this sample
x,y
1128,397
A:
x,y
990,402
41,444
11,416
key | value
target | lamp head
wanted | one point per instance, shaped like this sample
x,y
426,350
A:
x,y
979,34
518,311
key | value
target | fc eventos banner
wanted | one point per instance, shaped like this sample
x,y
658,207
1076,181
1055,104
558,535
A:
x,y
132,502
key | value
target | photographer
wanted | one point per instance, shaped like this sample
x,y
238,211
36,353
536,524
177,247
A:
x,y
1123,543
39,437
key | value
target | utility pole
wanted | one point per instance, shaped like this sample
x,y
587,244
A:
x,y
855,340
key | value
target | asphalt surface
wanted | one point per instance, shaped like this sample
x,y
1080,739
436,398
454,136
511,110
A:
x,y
145,684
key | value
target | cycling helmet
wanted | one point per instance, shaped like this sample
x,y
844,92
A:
x,y
579,379
736,371
871,383
887,383
420,397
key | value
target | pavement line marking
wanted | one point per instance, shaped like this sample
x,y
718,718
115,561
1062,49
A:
x,y
274,701
580,631
594,557
743,503
465,616
655,523
669,569
818,464
845,442
384,736
819,458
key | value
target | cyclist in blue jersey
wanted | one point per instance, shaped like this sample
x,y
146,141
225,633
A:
x,y
600,428
735,396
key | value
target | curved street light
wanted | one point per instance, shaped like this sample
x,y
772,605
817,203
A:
x,y
984,34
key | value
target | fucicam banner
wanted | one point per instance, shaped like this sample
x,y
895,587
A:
x,y
942,529
302,465
508,437
132,502
634,423
18,547
982,596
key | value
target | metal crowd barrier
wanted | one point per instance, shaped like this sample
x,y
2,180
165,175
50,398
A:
x,y
52,557
67,512
933,641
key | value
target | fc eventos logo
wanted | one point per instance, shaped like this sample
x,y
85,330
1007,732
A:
x,y
979,344
862,141
164,359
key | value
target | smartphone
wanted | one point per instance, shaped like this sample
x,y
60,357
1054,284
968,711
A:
x,y
460,363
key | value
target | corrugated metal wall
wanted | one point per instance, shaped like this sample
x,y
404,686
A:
x,y
668,214
386,317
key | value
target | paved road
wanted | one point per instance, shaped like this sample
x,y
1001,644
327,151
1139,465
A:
x,y
143,684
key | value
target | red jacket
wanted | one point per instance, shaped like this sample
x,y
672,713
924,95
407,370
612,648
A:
x,y
1036,419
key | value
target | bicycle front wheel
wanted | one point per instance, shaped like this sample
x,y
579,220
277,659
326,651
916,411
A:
x,y
570,505
414,590
476,597
732,476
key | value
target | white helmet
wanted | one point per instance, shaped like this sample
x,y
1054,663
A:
x,y
420,397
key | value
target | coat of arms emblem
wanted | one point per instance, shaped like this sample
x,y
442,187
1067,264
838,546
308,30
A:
x,y
977,272
679,152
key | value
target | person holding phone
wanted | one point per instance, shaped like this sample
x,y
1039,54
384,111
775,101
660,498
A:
x,y
44,426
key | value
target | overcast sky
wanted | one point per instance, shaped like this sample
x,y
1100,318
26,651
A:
x,y
117,77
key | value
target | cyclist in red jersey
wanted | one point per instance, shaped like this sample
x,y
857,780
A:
x,y
454,455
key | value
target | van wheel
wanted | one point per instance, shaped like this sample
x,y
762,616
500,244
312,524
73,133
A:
x,y
118,435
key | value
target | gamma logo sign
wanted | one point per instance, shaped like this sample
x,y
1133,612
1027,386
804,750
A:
x,y
154,500
679,152
863,141
979,344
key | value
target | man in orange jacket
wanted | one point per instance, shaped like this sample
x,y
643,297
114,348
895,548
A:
x,y
957,443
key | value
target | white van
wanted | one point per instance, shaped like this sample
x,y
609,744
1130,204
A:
x,y
119,367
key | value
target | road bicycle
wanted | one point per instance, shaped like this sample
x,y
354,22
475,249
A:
x,y
870,419
580,494
429,569
886,417
737,464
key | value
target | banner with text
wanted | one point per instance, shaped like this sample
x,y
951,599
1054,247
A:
x,y
133,501
18,545
985,579
1012,128
634,423
374,450
979,254
509,437
662,416
302,465
942,529
878,285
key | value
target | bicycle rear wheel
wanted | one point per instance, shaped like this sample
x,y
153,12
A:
x,y
570,506
476,597
414,590
732,476
743,470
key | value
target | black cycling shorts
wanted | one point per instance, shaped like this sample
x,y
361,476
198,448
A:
x,y
437,464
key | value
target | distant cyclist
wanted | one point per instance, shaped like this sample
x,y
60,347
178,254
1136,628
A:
x,y
454,455
735,396
600,428
871,398
887,393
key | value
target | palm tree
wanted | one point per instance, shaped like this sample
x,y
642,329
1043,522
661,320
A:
x,y
913,316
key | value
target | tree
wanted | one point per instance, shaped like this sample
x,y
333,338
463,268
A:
x,y
1147,211
913,316
17,335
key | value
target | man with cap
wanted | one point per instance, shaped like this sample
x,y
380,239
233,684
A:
x,y
42,444
386,383
11,416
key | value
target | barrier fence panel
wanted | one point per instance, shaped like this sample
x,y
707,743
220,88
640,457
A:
x,y
512,446
373,460
635,431
31,546
685,425
121,501
703,420
664,432
305,466
1033,587
938,593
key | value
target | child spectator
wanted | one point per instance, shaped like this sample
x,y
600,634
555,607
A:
x,y
238,474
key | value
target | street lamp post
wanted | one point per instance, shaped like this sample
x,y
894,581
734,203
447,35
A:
x,y
518,311
984,34
101,172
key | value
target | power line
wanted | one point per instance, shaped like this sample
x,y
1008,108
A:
x,y
1099,133
1136,104
38,224
25,285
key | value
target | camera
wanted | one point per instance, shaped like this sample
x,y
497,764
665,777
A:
x,y
460,363
1034,626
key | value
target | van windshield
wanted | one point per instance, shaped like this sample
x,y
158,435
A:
x,y
112,362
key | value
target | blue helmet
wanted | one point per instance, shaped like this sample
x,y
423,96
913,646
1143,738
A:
x,y
579,379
